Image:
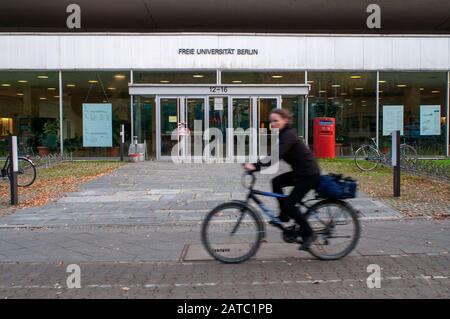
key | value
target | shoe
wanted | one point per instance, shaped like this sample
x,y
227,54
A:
x,y
284,218
306,242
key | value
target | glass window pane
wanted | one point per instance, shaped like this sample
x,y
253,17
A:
x,y
178,77
274,77
415,91
95,87
350,98
29,109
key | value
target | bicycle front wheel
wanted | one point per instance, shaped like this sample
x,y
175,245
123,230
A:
x,y
232,232
367,158
337,228
26,174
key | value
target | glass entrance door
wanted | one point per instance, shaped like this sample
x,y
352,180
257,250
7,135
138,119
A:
x,y
218,125
265,106
170,117
242,124
196,124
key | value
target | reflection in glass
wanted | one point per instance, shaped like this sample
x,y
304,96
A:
x,y
415,91
95,87
274,77
169,122
350,98
218,118
29,109
296,106
195,112
265,106
242,122
145,122
178,77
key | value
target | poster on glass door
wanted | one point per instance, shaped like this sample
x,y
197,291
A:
x,y
430,120
392,119
97,125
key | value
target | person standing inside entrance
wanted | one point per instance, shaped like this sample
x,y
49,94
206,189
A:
x,y
305,174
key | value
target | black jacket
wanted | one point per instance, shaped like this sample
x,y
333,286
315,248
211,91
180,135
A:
x,y
295,153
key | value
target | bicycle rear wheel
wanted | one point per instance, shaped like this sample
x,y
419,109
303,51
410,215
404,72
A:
x,y
367,158
337,228
26,174
408,155
232,232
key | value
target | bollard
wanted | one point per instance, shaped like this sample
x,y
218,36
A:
x,y
396,162
13,170
122,141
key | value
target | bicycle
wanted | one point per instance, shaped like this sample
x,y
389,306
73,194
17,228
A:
x,y
223,222
26,173
368,157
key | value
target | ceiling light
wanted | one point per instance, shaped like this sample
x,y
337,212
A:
x,y
51,89
435,91
363,101
401,85
22,81
380,91
119,76
164,81
111,88
20,94
236,81
382,81
42,77
322,91
421,89
198,76
355,76
70,85
312,96
344,93
42,98
310,81
6,84
348,100
335,86
277,76
57,96
331,98
93,81
359,89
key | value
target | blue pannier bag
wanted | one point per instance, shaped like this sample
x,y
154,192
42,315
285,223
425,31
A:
x,y
336,186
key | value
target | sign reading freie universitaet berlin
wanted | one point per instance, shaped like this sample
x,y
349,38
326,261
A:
x,y
97,125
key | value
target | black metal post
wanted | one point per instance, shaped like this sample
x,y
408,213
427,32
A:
x,y
396,162
122,137
13,169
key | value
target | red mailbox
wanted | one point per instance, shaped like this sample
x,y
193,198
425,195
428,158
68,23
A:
x,y
324,137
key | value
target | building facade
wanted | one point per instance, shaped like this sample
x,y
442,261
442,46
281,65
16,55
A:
x,y
154,82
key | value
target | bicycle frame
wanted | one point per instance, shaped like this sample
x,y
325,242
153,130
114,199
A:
x,y
274,220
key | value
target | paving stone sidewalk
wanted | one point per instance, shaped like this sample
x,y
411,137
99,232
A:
x,y
153,193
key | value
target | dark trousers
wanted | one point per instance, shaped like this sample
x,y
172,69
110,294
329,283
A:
x,y
302,185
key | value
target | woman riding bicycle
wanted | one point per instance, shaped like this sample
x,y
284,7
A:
x,y
305,174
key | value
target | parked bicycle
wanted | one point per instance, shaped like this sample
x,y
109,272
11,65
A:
x,y
368,156
233,231
26,174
